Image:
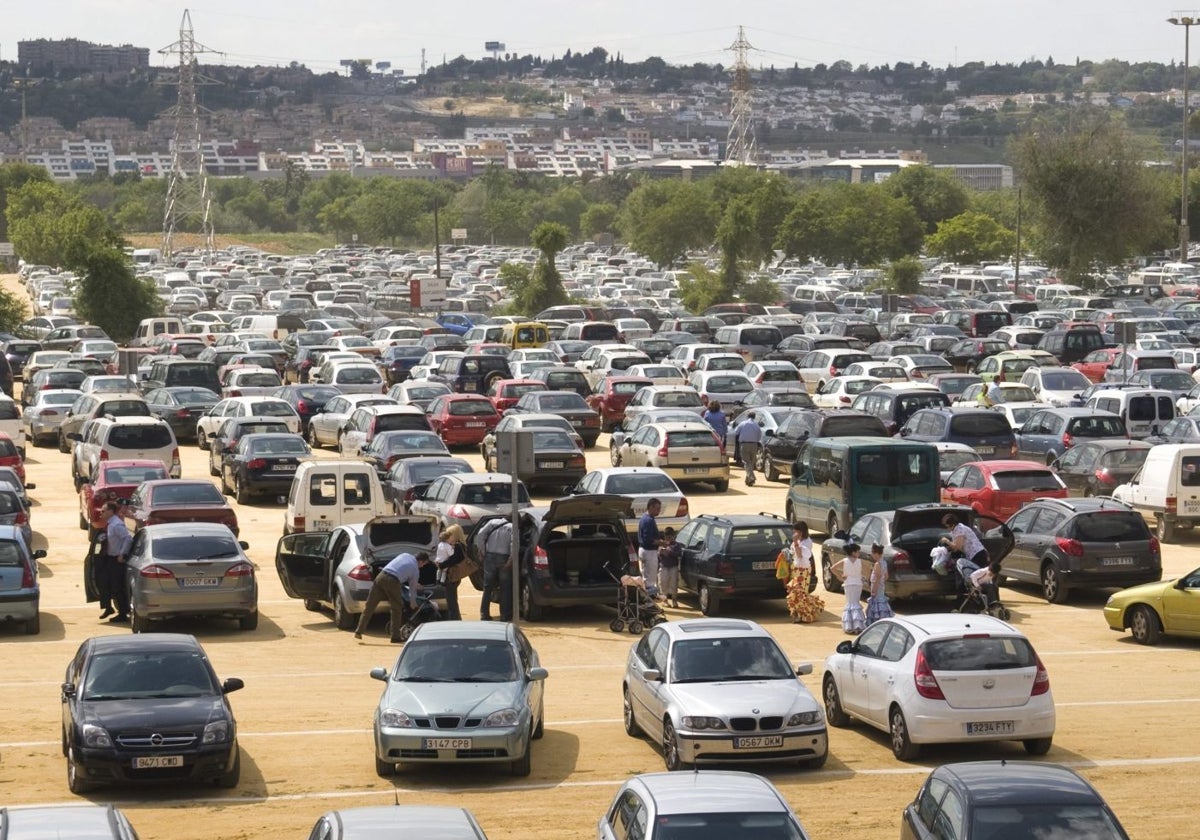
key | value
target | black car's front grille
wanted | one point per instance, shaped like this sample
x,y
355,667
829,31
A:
x,y
165,740
749,724
770,723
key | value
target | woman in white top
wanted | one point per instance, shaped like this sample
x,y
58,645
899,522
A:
x,y
853,618
450,551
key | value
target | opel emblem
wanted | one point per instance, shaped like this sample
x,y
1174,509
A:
x,y
156,739
989,683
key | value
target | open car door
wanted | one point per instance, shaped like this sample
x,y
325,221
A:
x,y
997,538
300,560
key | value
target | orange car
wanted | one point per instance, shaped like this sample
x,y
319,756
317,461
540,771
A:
x,y
1095,364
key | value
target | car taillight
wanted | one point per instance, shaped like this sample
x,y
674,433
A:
x,y
832,371
410,494
1072,548
662,450
1067,440
360,572
256,463
1041,680
917,373
301,407
27,577
578,460
391,460
682,510
540,559
723,568
1104,476
156,571
926,682
234,392
22,518
240,570
183,414
458,512
1155,547
758,380
1171,503
103,454
901,560
844,399
298,523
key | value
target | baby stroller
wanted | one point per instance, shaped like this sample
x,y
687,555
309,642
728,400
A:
x,y
426,610
635,608
977,601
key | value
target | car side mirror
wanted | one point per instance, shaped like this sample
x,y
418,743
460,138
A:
x,y
904,432
74,436
651,675
804,669
243,545
231,685
379,674
212,435
537,674
68,689
30,486
845,647
39,554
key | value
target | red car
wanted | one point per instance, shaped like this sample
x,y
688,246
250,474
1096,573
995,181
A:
x,y
462,419
504,393
115,480
10,456
611,396
179,500
1096,363
1000,488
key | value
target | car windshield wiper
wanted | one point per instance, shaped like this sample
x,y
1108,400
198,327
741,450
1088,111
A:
x,y
215,556
427,679
92,697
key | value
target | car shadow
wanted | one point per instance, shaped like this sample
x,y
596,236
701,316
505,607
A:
x,y
555,757
251,789
52,630
222,629
934,755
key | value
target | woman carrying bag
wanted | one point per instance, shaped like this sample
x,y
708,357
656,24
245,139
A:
x,y
451,560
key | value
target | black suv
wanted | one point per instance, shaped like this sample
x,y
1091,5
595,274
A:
x,y
1064,544
562,378
780,447
733,557
987,432
894,406
472,374
1071,344
171,372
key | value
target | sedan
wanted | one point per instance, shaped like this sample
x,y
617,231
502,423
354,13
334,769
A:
x,y
410,476
1170,607
181,406
115,481
45,414
378,822
386,448
136,707
164,500
920,366
262,464
713,691
640,484
566,404
941,679
461,692
190,569
1000,488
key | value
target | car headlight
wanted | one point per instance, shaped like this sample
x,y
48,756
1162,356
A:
x,y
216,732
395,718
806,718
95,736
703,723
504,717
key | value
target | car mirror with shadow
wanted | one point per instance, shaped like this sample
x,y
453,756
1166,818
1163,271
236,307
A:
x,y
231,685
652,675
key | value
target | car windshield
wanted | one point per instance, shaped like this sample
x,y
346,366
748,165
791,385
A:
x,y
194,547
1061,822
722,660
979,653
187,493
726,825
457,660
134,475
139,675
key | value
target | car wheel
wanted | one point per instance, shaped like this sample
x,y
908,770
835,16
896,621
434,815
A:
x,y
33,626
1164,529
710,604
1145,626
720,486
312,441
343,619
768,467
539,729
202,440
384,769
139,623
671,755
831,524
1037,746
631,727
230,780
63,446
74,783
614,456
248,621
530,610
1054,589
902,746
242,494
832,584
311,604
816,763
523,765
833,704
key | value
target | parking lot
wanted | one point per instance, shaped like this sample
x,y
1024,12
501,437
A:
x,y
305,714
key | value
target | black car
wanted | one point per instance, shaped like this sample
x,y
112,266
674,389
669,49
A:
x,y
969,352
18,352
472,374
1097,467
986,800
1065,544
562,378
306,399
733,556
386,448
410,476
262,464
233,430
399,360
297,367
566,404
893,406
181,406
779,448
147,708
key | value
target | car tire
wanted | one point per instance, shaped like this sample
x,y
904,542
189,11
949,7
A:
x,y
240,492
230,780
384,769
1054,589
768,468
671,757
1164,529
828,579
720,486
902,746
202,440
1037,746
62,443
33,626
1145,626
816,763
539,729
523,766
631,727
249,621
530,610
831,524
75,784
312,441
138,623
311,604
710,604
343,619
614,456
834,712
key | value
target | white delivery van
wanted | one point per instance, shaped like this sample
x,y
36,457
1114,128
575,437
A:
x,y
11,422
1166,492
327,493
1144,410
150,327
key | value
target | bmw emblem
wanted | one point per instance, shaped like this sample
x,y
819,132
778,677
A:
x,y
754,711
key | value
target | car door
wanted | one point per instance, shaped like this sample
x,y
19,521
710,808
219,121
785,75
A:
x,y
884,672
1072,465
692,537
300,560
853,672
646,696
963,485
427,503
1021,562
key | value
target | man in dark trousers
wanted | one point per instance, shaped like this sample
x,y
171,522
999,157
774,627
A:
x,y
404,570
497,538
116,550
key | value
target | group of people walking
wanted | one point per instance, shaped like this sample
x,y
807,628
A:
x,y
747,436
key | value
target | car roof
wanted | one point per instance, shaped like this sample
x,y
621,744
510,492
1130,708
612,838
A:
x,y
142,642
186,529
741,520
994,783
430,822
930,625
705,628
683,426
1005,465
87,822
709,791
462,630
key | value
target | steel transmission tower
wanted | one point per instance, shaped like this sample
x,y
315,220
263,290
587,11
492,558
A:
x,y
740,145
189,204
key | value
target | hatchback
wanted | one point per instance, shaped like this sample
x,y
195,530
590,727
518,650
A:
x,y
464,498
462,419
685,451
376,822
20,592
732,556
1001,488
987,432
942,679
567,404
1051,432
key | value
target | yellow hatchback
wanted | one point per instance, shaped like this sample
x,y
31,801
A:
x,y
1152,609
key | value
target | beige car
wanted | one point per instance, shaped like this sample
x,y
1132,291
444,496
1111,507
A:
x,y
687,452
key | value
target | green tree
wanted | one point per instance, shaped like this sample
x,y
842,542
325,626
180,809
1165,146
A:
x,y
13,176
598,218
850,224
971,238
904,275
546,288
664,219
110,296
13,311
337,217
736,237
49,226
1095,201
934,194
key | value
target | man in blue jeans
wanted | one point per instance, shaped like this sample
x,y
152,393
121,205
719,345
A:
x,y
403,571
748,435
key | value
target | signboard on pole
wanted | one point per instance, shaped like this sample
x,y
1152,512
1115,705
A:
x,y
458,234
6,248
427,292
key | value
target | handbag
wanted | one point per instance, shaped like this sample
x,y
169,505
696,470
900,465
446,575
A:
x,y
461,570
783,566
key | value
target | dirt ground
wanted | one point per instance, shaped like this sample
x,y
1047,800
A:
x,y
305,714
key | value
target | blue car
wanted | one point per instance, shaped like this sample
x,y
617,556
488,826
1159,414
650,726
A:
x,y
1047,434
19,588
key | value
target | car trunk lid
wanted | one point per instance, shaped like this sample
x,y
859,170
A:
x,y
982,670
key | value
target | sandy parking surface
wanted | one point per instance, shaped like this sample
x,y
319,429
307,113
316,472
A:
x,y
1124,711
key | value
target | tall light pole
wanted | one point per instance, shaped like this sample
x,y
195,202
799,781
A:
x,y
1187,23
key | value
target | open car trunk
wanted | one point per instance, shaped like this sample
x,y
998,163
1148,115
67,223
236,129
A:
x,y
918,533
386,536
588,559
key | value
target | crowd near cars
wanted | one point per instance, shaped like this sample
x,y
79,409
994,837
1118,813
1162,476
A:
x,y
1072,457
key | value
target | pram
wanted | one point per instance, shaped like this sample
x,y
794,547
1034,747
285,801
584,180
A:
x,y
635,608
426,610
982,599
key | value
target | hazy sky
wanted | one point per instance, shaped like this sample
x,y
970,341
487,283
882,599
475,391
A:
x,y
873,32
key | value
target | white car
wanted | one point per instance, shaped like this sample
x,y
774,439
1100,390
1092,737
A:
x,y
1058,386
659,374
641,484
884,371
212,419
46,413
840,391
941,679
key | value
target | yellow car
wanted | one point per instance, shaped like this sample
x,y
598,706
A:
x,y
1152,609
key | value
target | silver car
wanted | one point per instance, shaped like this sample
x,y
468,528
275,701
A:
x,y
721,690
190,569
641,484
325,427
91,821
385,822
46,413
465,498
461,692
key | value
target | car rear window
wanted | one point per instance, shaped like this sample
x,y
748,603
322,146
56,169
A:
x,y
193,546
845,359
909,405
273,408
358,376
561,402
979,653
852,426
1013,481
1155,363
1189,470
979,425
1110,526
756,539
134,475
491,494
10,554
696,438
278,446
403,422
627,388
124,408
471,408
1143,408
678,399
140,437
565,380
187,493
259,380
1097,427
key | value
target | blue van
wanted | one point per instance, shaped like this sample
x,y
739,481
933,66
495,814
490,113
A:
x,y
837,480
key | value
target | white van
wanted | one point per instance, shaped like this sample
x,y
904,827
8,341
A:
x,y
1166,491
151,327
327,493
272,326
1144,410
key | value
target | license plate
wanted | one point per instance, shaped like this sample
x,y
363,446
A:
x,y
992,727
445,743
468,386
284,467
153,762
320,525
758,742
576,422
985,450
1191,505
474,425
200,581
552,465
762,565
695,470
1117,561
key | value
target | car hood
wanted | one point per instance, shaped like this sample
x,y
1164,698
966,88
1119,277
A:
x,y
742,697
1144,592
426,699
152,713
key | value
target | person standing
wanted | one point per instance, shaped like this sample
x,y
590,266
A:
x,y
716,418
450,552
648,539
877,605
748,435
116,550
853,619
803,606
403,570
497,538
668,567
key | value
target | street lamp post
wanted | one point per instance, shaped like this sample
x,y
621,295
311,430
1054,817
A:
x,y
1186,23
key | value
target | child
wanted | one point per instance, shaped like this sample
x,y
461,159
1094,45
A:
x,y
669,552
985,581
853,619
877,605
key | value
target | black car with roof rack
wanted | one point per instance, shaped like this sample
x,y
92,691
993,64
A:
x,y
733,556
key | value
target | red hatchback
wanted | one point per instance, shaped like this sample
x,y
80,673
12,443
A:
x,y
10,456
462,419
179,500
611,396
504,393
116,480
1095,364
1000,488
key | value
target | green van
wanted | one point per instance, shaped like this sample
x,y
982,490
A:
x,y
837,480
